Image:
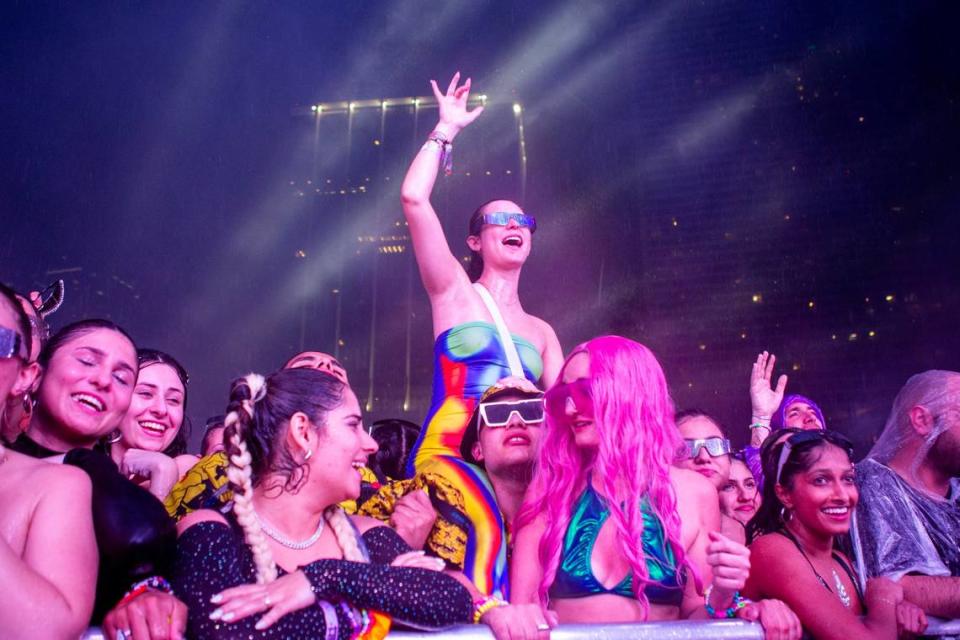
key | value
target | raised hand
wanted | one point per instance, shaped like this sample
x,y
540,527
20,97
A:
x,y
453,106
764,399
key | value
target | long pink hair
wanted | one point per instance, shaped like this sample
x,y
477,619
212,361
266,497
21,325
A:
x,y
633,417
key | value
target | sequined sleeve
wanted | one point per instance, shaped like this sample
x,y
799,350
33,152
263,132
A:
x,y
415,597
212,557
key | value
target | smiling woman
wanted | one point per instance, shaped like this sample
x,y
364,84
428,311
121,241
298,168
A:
x,y
90,369
150,443
297,443
809,497
482,332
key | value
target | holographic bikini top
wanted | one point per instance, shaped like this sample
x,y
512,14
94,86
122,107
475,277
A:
x,y
575,577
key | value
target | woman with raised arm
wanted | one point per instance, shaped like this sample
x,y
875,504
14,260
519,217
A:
x,y
771,411
287,561
611,530
808,500
47,578
471,325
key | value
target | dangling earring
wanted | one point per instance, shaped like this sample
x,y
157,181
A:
x,y
307,455
785,514
27,403
114,437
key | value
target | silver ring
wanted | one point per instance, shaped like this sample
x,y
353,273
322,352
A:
x,y
124,634
266,601
543,627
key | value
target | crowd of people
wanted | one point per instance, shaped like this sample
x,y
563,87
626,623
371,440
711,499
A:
x,y
540,489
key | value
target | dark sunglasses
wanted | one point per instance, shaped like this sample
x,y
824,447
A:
x,y
497,414
578,391
11,344
807,437
715,446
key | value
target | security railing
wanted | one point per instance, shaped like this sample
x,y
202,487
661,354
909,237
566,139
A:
x,y
674,630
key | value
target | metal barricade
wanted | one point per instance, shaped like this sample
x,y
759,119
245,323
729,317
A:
x,y
674,630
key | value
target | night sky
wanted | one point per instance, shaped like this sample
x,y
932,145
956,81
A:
x,y
709,178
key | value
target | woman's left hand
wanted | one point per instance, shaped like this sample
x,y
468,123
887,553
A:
x,y
278,598
911,620
778,620
729,561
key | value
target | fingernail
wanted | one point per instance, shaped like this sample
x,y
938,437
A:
x,y
227,617
216,599
261,625
217,614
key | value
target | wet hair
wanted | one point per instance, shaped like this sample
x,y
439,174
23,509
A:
x,y
396,439
803,455
26,332
255,421
75,330
148,357
633,418
687,414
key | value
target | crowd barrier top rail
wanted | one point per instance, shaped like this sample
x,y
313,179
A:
x,y
674,630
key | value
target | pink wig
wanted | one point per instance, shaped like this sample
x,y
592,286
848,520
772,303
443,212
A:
x,y
633,417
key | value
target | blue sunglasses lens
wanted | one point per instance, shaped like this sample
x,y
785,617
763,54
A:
x,y
503,218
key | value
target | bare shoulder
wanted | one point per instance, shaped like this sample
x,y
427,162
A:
x,y
50,475
691,487
198,516
185,462
365,523
772,547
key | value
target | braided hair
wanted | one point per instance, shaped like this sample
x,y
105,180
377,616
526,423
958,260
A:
x,y
255,420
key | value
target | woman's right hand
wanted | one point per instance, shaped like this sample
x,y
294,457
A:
x,y
520,622
764,398
453,107
160,469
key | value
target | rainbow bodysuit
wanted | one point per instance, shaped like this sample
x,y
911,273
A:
x,y
468,359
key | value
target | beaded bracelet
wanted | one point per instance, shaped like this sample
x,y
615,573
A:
x,y
739,602
759,425
481,606
157,583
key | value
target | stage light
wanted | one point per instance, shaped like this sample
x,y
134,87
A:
x,y
889,297
383,105
313,108
757,297
352,107
416,102
517,108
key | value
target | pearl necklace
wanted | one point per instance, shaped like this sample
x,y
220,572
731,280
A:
x,y
287,542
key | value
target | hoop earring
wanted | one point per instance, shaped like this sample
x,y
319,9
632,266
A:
x,y
785,514
27,403
114,437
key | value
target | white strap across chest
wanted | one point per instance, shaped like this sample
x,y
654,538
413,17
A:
x,y
513,358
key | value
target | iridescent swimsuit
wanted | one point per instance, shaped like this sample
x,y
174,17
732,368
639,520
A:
x,y
468,359
575,577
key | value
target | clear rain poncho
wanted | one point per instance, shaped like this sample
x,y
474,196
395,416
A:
x,y
898,528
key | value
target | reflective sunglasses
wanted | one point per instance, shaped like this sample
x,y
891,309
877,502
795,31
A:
x,y
11,344
497,414
502,219
578,391
715,446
